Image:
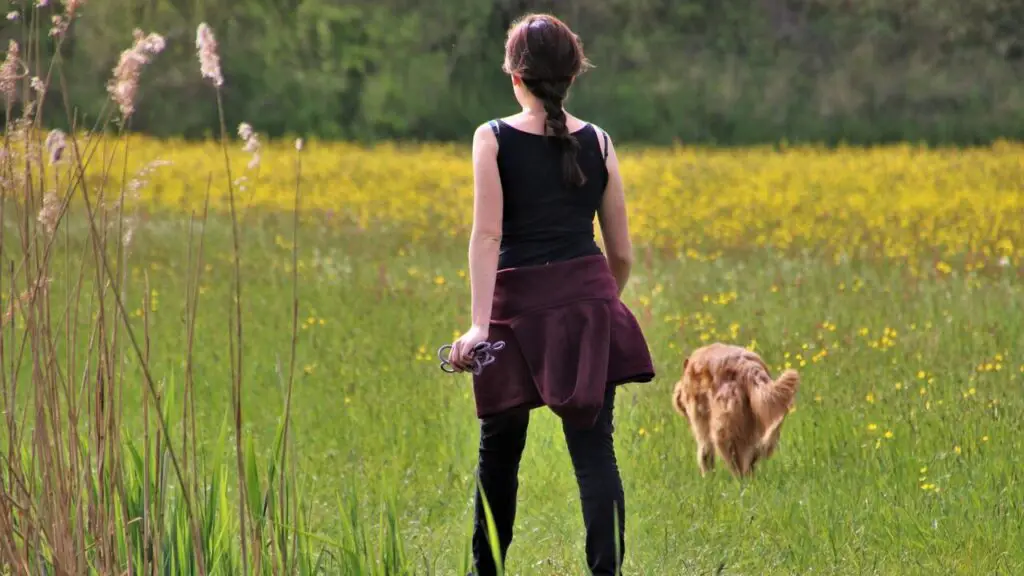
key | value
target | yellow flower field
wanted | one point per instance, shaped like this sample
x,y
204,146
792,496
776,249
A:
x,y
897,202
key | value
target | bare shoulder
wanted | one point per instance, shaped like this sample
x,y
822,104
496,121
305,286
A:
x,y
484,137
484,131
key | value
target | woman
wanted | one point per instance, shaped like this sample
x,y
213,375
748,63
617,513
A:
x,y
541,284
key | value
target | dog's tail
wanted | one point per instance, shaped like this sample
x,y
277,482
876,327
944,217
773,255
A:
x,y
775,401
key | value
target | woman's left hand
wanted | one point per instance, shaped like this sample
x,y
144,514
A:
x,y
461,354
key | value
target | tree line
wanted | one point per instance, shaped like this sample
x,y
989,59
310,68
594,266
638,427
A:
x,y
697,71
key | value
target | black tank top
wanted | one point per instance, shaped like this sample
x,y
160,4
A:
x,y
544,220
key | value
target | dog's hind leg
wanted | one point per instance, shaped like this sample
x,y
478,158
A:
x,y
705,457
700,424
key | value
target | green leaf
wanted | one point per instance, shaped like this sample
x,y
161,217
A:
x,y
252,482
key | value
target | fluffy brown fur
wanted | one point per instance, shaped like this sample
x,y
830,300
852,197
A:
x,y
733,405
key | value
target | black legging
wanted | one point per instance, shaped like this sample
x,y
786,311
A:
x,y
502,439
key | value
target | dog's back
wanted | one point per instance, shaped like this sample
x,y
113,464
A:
x,y
719,364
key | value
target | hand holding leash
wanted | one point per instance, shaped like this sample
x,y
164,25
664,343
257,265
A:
x,y
481,355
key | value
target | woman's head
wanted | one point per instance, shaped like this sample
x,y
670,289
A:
x,y
544,57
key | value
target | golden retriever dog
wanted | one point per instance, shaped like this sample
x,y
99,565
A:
x,y
733,406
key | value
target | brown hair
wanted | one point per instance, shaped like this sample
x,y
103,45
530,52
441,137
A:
x,y
548,56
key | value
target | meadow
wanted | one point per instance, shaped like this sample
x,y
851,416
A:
x,y
218,357
890,277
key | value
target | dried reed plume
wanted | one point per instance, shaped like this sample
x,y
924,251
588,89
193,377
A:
x,y
245,131
61,23
252,143
9,73
129,230
206,49
125,83
49,213
24,298
55,145
139,181
71,7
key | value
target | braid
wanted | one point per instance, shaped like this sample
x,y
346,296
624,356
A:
x,y
552,94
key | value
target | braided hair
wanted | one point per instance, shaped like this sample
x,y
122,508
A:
x,y
548,56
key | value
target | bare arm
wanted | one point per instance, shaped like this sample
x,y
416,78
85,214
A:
x,y
614,223
485,238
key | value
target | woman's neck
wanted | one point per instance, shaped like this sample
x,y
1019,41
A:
x,y
533,106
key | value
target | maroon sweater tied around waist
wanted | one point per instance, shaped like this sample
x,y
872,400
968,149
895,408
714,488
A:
x,y
567,337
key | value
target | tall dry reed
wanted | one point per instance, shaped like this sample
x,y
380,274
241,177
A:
x,y
80,495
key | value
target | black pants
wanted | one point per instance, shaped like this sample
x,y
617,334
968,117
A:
x,y
502,439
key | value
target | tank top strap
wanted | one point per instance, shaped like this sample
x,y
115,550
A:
x,y
602,133
604,136
496,129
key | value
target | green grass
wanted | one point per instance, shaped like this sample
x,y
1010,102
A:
x,y
374,417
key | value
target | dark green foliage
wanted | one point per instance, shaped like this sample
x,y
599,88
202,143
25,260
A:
x,y
707,71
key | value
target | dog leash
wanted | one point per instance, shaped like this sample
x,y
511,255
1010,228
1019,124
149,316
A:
x,y
481,356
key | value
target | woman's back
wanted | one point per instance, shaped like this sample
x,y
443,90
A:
x,y
544,219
